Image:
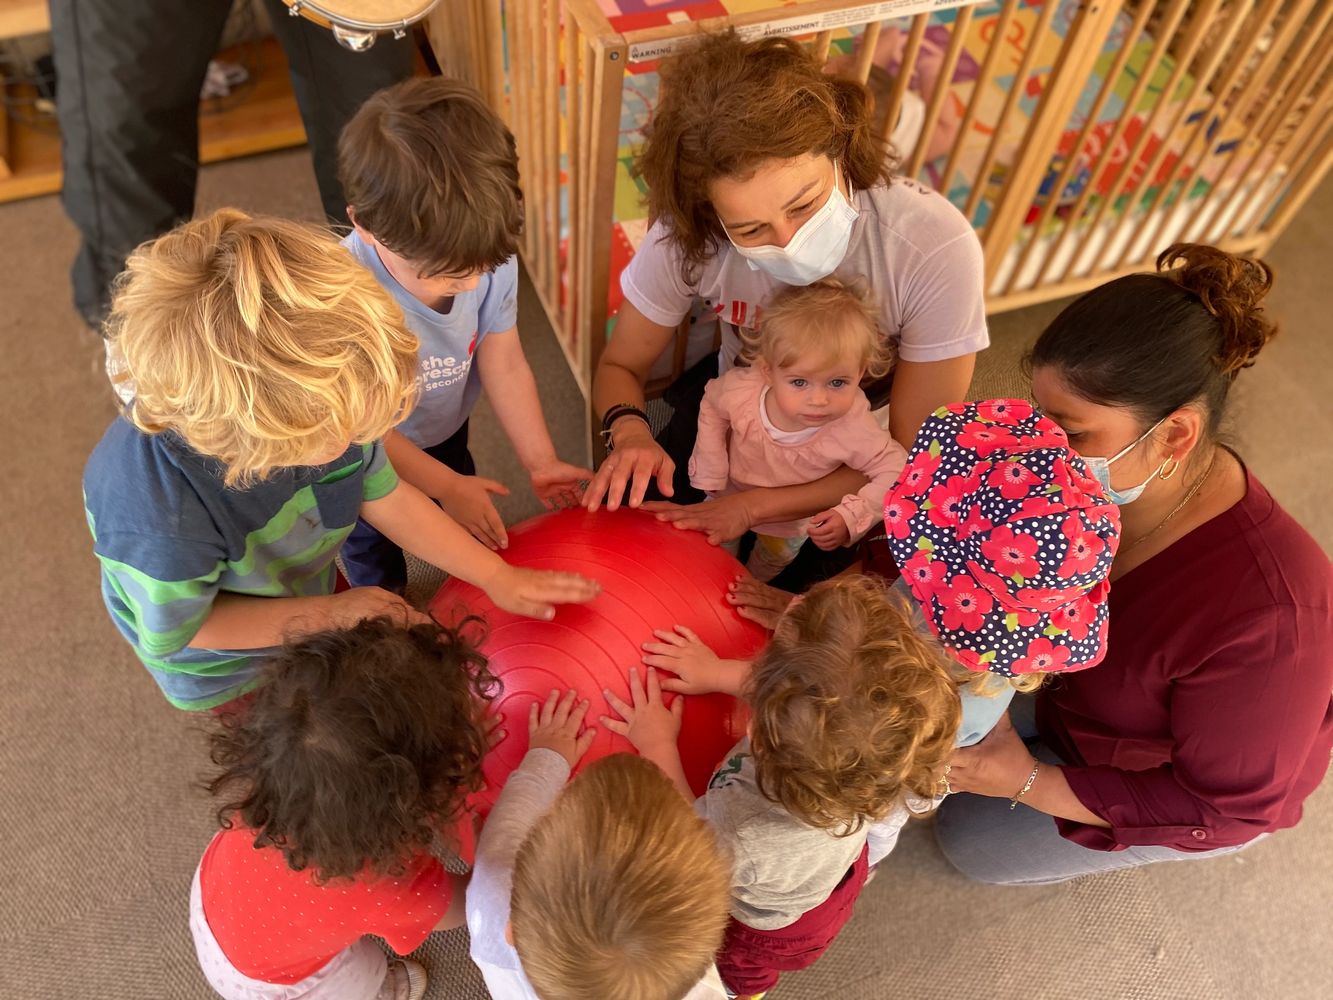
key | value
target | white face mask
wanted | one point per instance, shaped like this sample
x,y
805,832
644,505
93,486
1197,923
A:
x,y
1101,469
815,250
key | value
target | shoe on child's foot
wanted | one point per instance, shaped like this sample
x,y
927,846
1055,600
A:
x,y
405,980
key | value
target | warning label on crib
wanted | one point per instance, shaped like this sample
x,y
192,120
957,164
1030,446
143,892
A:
x,y
849,17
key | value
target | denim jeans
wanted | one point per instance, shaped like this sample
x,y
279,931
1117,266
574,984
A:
x,y
988,842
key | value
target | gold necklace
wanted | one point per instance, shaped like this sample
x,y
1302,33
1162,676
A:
x,y
1189,495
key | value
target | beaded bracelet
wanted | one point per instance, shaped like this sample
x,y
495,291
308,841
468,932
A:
x,y
1036,766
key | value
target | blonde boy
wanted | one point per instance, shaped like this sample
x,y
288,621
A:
x,y
431,175
267,367
609,886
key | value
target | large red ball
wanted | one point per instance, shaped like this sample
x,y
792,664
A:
x,y
653,576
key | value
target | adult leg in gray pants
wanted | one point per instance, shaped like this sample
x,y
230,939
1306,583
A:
x,y
989,842
128,74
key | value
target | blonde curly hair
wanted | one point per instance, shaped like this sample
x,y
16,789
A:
x,y
261,342
851,707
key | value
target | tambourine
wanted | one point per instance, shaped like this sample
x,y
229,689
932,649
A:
x,y
357,23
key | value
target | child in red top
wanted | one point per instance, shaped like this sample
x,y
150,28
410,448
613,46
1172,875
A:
x,y
360,747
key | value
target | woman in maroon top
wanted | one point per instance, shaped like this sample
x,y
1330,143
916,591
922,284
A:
x,y
1210,720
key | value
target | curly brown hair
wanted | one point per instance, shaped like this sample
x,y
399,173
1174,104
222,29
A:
x,y
620,890
359,747
851,707
725,107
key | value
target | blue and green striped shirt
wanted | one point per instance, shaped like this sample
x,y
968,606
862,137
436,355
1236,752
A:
x,y
170,536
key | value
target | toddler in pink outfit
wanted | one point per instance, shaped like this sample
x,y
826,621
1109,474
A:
x,y
797,414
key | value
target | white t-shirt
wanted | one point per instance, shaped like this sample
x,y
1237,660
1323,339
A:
x,y
912,249
528,794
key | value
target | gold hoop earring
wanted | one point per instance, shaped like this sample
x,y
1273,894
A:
x,y
1162,474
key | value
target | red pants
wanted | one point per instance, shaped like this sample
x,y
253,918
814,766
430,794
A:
x,y
751,959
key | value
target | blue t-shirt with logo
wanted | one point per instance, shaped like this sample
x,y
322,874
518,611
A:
x,y
447,379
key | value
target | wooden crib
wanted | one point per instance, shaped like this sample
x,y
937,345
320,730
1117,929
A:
x,y
1080,138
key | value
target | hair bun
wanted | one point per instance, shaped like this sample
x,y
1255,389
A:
x,y
1230,288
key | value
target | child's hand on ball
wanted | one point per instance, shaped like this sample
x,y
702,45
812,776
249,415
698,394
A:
x,y
555,726
646,722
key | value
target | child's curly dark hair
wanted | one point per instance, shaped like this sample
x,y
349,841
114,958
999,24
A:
x,y
360,746
852,708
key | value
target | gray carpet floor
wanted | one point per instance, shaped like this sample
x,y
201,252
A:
x,y
101,824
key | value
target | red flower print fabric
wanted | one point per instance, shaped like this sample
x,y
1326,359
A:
x,y
1004,539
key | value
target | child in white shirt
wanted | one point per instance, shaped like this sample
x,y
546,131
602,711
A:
x,y
620,835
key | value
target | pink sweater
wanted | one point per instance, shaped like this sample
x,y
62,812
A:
x,y
735,452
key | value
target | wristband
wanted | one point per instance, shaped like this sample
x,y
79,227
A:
x,y
613,414
1036,766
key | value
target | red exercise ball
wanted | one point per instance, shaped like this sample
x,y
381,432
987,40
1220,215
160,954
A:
x,y
653,576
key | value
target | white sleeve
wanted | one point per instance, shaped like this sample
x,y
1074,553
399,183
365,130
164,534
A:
x,y
944,303
527,795
653,282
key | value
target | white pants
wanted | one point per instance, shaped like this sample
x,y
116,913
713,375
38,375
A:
x,y
355,973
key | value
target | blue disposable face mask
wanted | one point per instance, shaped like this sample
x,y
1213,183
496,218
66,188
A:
x,y
815,250
1101,469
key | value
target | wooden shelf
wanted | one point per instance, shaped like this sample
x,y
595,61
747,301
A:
x,y
260,117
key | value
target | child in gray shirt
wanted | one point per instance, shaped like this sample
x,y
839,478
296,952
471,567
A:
x,y
853,713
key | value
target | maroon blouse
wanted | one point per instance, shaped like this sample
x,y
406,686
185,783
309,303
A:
x,y
1211,719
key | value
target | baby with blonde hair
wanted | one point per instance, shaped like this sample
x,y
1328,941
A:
x,y
853,716
266,367
606,886
796,415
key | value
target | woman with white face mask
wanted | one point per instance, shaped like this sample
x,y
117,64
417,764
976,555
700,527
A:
x,y
1210,720
762,171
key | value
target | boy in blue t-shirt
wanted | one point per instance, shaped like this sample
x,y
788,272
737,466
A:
x,y
267,367
431,175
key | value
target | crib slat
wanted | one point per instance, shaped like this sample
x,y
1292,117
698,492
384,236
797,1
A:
x,y
608,85
865,55
1108,87
574,162
551,142
1202,78
1221,110
1165,31
1308,175
1257,88
1282,113
1194,34
819,46
984,77
1059,97
906,68
1217,203
1015,91
941,91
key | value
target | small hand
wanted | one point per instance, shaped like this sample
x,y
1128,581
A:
x,y
684,654
757,601
635,461
490,726
360,603
559,484
467,499
646,722
828,530
720,520
555,726
997,766
535,593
